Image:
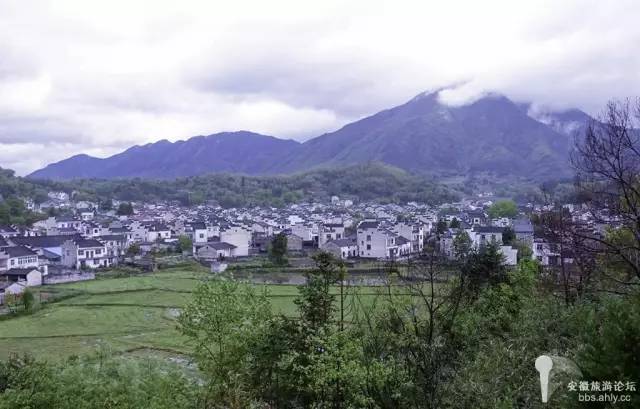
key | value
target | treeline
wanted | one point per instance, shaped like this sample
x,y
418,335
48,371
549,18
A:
x,y
371,181
12,192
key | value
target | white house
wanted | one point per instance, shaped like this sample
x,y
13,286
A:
x,y
17,257
156,232
80,253
216,251
329,231
412,232
239,237
198,232
342,248
376,242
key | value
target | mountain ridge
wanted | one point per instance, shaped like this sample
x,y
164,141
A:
x,y
492,134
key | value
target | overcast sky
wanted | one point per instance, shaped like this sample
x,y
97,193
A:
x,y
99,76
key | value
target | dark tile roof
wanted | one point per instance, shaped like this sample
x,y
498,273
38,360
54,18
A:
x,y
42,241
88,243
346,242
18,251
220,245
367,224
401,240
488,229
113,237
198,225
18,272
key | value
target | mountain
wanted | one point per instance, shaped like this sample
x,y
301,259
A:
x,y
492,134
232,152
570,122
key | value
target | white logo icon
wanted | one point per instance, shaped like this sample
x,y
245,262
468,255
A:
x,y
543,366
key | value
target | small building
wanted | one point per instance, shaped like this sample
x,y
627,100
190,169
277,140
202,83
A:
x,y
28,277
8,288
342,248
294,242
81,253
216,250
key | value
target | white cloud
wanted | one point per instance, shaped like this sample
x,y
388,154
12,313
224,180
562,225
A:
x,y
96,77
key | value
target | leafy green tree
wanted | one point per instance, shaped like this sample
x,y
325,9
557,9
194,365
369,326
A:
x,y
503,208
484,267
185,244
524,249
125,209
221,320
455,223
462,245
106,204
508,236
133,250
278,249
28,300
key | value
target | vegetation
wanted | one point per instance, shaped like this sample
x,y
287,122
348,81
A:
x,y
278,250
125,209
373,181
503,208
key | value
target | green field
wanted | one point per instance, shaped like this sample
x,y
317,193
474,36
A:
x,y
125,315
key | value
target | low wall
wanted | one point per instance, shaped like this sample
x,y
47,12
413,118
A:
x,y
68,278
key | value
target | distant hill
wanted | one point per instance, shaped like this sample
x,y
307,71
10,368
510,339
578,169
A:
x,y
425,136
369,181
232,152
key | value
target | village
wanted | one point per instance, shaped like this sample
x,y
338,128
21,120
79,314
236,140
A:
x,y
84,240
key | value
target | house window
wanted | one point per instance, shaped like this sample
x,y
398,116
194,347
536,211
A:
x,y
368,237
81,252
99,251
368,246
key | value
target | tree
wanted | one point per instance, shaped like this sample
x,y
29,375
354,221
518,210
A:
x,y
221,321
607,160
503,208
278,250
185,244
106,204
508,236
462,245
28,300
133,250
455,223
125,209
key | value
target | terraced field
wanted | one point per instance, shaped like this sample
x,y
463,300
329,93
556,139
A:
x,y
124,315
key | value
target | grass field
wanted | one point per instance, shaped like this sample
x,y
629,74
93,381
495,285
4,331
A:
x,y
125,315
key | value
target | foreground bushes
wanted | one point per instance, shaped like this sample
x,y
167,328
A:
x,y
91,383
471,343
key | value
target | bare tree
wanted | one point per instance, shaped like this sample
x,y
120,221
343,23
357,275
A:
x,y
607,163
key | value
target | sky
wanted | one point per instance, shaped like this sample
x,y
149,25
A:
x,y
97,77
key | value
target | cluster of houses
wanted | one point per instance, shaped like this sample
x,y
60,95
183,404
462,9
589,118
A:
x,y
86,238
